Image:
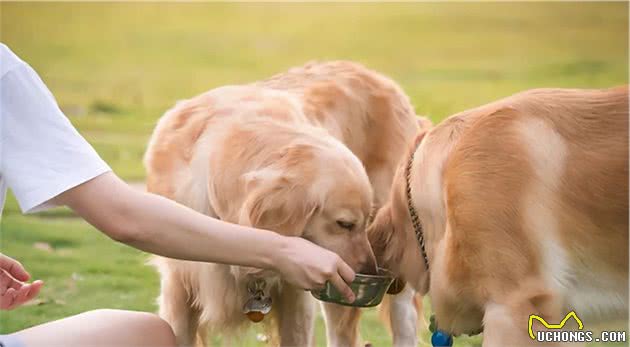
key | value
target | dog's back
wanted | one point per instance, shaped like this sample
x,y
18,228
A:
x,y
535,191
360,107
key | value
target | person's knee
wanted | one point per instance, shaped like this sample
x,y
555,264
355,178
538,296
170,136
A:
x,y
157,330
163,331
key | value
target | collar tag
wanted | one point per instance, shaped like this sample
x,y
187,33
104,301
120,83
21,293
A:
x,y
439,338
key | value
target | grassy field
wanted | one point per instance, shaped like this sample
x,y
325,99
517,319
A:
x,y
116,67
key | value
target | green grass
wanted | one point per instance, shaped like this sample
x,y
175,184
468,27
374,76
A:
x,y
116,67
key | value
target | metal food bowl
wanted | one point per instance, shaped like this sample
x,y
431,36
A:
x,y
368,290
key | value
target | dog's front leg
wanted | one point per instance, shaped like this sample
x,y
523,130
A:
x,y
177,311
342,325
505,325
403,318
296,317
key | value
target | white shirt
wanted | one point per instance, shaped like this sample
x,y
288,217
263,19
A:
x,y
41,153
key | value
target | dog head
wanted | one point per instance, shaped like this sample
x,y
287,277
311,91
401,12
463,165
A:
x,y
317,189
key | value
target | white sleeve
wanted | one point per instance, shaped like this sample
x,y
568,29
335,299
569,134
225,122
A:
x,y
42,154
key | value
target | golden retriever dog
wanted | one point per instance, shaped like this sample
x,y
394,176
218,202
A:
x,y
298,154
515,208
374,118
246,155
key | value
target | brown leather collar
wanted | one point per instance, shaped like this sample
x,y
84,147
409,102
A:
x,y
415,220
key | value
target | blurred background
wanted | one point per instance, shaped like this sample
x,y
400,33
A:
x,y
116,67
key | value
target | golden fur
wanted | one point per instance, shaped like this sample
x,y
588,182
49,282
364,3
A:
x,y
524,207
373,117
292,154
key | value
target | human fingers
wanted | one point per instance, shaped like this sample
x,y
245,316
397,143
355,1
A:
x,y
342,287
14,268
35,288
6,282
6,299
25,293
20,296
346,272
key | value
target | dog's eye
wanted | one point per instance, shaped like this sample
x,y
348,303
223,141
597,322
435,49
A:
x,y
345,225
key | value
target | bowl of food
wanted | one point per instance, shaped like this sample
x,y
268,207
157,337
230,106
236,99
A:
x,y
368,290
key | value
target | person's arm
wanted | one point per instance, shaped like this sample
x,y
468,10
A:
x,y
45,161
157,225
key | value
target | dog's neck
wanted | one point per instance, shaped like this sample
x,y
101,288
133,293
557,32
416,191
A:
x,y
413,213
414,218
412,262
410,265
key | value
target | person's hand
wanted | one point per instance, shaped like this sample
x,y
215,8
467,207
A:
x,y
13,289
309,266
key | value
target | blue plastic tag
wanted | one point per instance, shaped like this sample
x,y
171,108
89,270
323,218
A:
x,y
441,339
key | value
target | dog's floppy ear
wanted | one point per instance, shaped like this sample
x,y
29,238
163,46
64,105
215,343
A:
x,y
380,234
276,202
380,231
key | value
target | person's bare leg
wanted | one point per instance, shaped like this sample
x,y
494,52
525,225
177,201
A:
x,y
101,328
